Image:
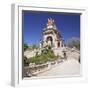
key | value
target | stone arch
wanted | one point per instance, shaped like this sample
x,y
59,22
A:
x,y
50,38
58,44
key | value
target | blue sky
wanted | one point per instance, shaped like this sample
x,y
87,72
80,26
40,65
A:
x,y
34,22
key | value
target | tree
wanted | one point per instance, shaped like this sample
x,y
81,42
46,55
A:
x,y
25,47
74,42
26,61
34,46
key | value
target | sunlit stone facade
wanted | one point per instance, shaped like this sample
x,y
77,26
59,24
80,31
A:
x,y
51,36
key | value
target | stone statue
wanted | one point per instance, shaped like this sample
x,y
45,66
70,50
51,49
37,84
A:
x,y
50,22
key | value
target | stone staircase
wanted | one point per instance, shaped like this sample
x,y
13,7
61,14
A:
x,y
70,53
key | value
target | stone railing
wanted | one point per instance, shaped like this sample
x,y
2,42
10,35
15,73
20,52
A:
x,y
34,70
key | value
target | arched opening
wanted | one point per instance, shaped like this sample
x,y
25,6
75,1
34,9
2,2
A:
x,y
58,44
49,38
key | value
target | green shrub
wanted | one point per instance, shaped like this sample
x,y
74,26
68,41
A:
x,y
47,55
26,62
26,47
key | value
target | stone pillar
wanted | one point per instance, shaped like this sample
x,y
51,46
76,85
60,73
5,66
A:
x,y
60,43
55,44
40,45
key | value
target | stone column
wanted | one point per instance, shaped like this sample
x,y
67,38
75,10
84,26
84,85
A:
x,y
60,43
40,45
55,44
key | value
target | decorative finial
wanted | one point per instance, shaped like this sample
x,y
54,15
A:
x,y
50,21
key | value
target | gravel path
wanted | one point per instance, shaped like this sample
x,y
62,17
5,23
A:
x,y
69,67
